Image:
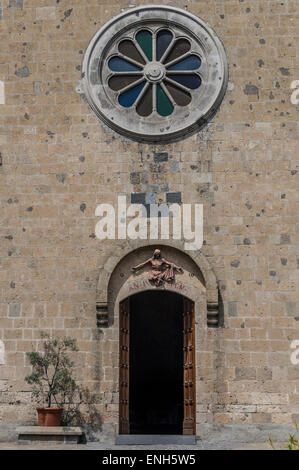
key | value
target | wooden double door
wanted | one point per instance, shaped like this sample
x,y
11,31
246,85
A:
x,y
157,364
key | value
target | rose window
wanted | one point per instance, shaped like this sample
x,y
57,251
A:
x,y
154,73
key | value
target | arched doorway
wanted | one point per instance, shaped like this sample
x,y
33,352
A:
x,y
157,370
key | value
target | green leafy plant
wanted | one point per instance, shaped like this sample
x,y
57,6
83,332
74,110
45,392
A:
x,y
292,443
52,381
51,375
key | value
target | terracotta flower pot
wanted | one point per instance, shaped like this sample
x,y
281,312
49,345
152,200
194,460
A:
x,y
49,416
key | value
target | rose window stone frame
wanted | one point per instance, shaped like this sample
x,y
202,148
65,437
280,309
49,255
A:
x,y
154,73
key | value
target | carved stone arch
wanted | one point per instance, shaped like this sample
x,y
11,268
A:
x,y
118,264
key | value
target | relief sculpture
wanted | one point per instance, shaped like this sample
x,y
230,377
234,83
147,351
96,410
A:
x,y
162,270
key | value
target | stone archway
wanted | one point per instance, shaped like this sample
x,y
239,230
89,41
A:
x,y
198,285
116,272
189,286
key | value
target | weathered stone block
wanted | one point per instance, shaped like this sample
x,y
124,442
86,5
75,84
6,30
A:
x,y
14,310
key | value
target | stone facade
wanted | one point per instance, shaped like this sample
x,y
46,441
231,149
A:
x,y
58,162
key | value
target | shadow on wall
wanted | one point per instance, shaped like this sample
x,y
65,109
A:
x,y
220,311
82,411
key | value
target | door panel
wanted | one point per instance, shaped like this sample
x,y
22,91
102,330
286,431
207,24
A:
x,y
124,363
156,363
189,368
189,421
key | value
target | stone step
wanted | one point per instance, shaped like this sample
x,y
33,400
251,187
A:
x,y
50,434
154,439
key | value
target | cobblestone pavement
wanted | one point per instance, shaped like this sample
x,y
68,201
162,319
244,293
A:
x,y
99,446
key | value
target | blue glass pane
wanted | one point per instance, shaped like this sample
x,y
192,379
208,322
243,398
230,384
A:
x,y
190,63
129,97
191,81
116,64
164,38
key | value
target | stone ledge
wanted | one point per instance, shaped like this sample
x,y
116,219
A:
x,y
64,435
153,439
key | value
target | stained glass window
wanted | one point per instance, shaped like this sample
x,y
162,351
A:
x,y
167,66
154,73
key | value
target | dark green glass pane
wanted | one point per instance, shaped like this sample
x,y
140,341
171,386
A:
x,y
181,46
164,38
118,82
145,41
145,106
128,48
164,105
181,97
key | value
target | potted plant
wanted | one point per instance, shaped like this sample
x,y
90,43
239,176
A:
x,y
51,377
